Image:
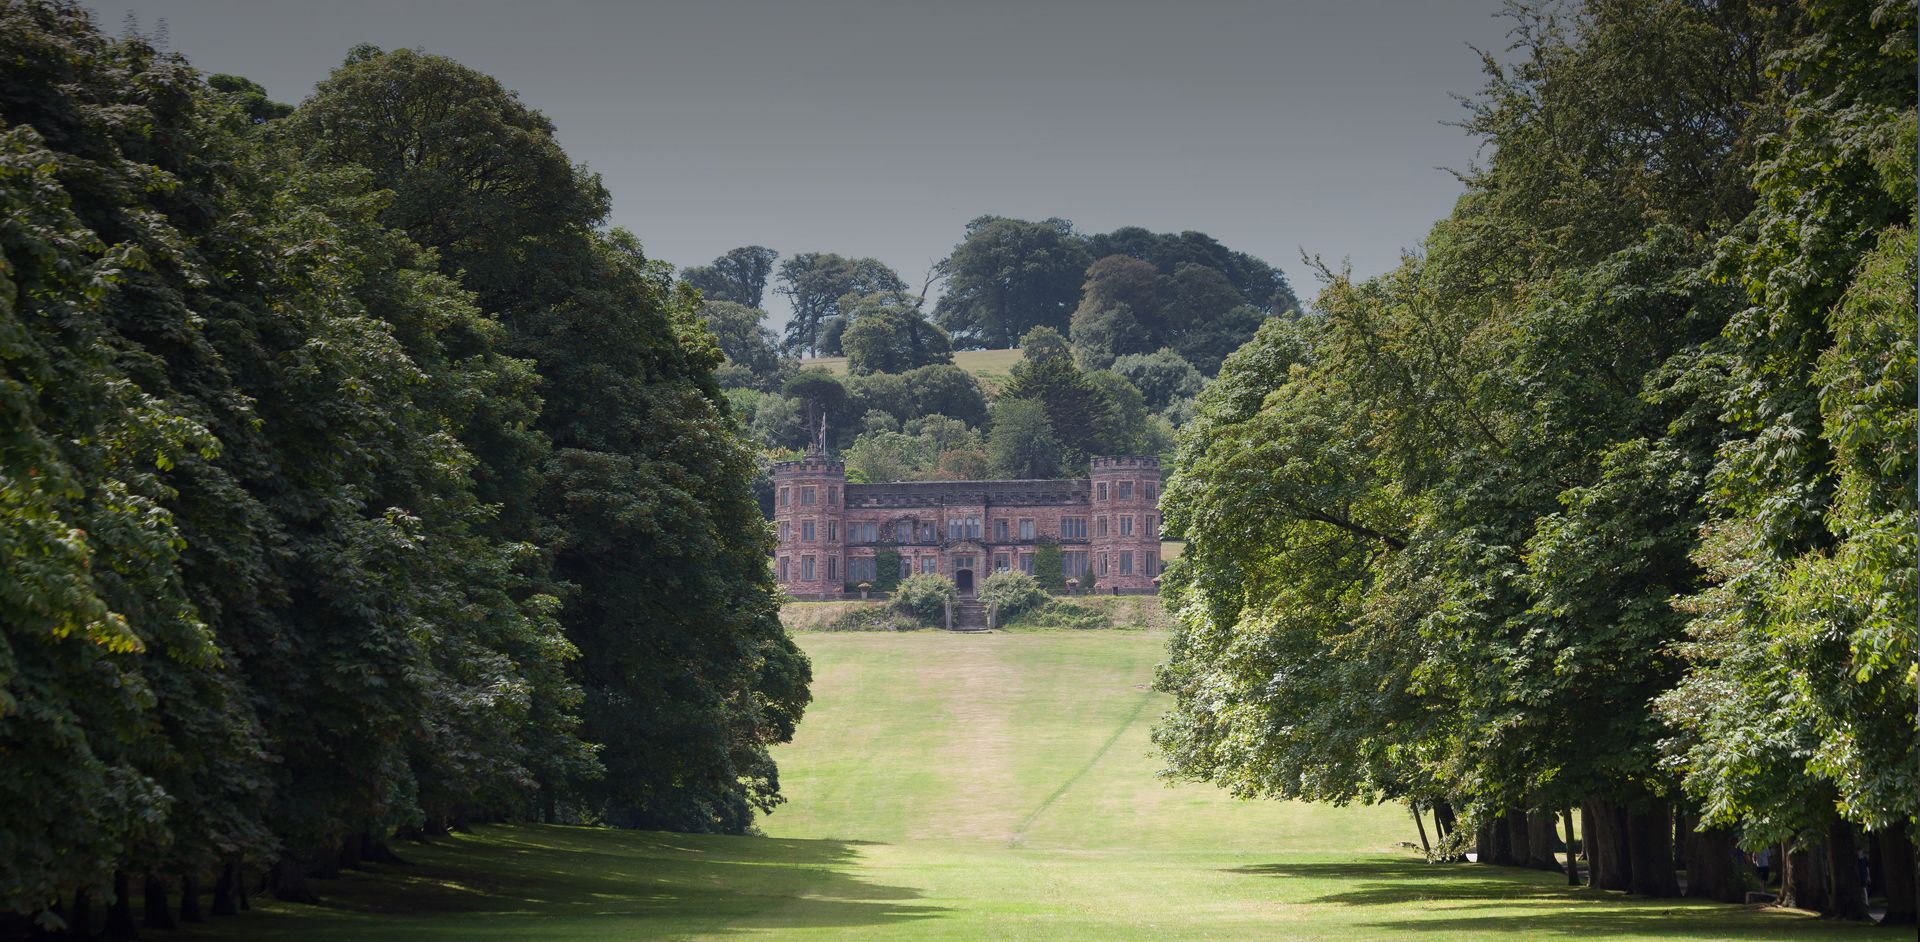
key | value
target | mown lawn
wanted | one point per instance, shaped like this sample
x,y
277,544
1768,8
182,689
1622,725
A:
x,y
986,787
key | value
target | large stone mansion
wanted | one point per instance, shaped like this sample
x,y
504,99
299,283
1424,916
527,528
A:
x,y
1107,526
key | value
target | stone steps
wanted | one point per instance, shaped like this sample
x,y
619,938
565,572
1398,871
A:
x,y
969,615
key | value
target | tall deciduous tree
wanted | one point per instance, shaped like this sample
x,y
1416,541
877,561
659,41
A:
x,y
740,276
887,334
1008,276
814,283
684,698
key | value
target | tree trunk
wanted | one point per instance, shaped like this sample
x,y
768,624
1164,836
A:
x,y
1897,876
1540,840
1483,843
290,882
1519,840
1573,865
1421,826
158,914
1716,869
1847,899
1650,844
1443,818
80,924
352,852
190,900
1608,864
378,850
1500,841
1807,885
120,913
226,888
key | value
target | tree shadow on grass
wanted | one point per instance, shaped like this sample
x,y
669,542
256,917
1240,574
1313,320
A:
x,y
595,881
1537,904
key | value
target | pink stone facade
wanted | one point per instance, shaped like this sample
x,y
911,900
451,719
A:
x,y
1107,526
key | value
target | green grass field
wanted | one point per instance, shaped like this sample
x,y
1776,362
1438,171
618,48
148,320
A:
x,y
991,367
949,787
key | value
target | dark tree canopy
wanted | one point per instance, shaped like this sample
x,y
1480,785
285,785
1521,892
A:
x,y
887,334
814,283
745,340
1008,276
740,276
1574,509
683,699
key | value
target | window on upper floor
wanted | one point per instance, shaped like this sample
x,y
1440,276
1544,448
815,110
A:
x,y
1100,491
786,493
806,531
1100,525
1126,490
806,496
999,531
833,495
1126,524
1026,529
1073,528
784,568
833,530
784,531
1147,488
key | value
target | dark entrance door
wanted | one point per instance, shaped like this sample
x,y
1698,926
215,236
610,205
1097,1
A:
x,y
963,580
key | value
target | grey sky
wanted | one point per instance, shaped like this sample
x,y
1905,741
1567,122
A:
x,y
880,128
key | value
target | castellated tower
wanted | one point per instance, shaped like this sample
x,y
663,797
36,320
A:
x,y
1125,537
809,513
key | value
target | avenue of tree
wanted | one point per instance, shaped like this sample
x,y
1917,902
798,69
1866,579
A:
x,y
1602,505
355,480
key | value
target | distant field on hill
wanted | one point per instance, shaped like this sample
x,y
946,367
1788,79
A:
x,y
991,367
991,786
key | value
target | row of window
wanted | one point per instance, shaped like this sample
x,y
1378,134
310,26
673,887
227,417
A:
x,y
808,493
1123,490
807,569
1073,565
968,528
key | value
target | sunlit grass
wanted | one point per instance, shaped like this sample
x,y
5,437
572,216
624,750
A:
x,y
949,787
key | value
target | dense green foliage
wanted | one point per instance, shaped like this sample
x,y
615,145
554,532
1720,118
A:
x,y
1162,310
924,596
1606,500
346,487
1049,568
1012,593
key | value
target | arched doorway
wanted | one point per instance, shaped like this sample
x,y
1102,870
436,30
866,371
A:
x,y
963,581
